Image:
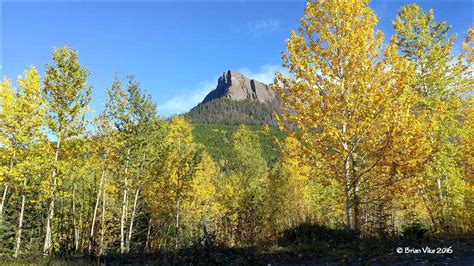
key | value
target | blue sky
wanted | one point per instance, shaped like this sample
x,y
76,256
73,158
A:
x,y
177,50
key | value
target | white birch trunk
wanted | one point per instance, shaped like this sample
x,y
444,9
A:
x,y
49,218
176,240
130,229
124,209
4,197
348,194
5,190
20,223
94,217
102,226
76,228
122,221
147,242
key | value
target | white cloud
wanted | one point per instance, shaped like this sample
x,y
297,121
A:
x,y
264,26
183,102
265,73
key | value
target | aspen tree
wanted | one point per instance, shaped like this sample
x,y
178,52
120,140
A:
x,y
67,98
201,209
249,174
167,191
22,118
441,83
347,97
106,144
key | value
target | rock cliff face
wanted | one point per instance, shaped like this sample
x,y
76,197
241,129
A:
x,y
235,86
237,100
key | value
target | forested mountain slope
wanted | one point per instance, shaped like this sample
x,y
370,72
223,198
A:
x,y
231,112
216,140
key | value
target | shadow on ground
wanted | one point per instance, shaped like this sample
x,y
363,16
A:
x,y
307,244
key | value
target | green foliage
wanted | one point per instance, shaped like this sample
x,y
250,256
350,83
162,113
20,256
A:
x,y
248,175
415,229
67,93
426,42
441,83
216,140
231,112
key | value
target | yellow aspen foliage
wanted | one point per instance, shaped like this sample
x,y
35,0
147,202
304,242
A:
x,y
228,192
300,193
291,185
167,192
201,209
348,99
6,104
22,115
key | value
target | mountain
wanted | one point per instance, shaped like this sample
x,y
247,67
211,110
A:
x,y
235,86
236,100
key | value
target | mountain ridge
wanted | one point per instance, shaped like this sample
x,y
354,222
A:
x,y
235,86
236,100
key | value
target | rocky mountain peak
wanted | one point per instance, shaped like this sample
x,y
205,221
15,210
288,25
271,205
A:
x,y
234,85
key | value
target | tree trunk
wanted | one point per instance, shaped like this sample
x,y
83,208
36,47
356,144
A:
x,y
124,208
394,225
5,190
176,238
81,215
20,222
4,197
80,234
49,218
347,179
122,221
147,242
356,197
130,229
102,226
348,195
441,204
381,220
48,240
356,208
94,217
76,227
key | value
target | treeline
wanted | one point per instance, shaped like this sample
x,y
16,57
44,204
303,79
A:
x,y
138,183
377,141
231,112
